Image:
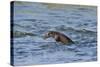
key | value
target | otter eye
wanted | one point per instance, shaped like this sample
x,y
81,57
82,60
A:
x,y
48,34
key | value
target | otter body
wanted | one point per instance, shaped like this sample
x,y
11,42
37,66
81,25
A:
x,y
59,37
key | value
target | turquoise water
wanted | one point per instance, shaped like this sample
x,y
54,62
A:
x,y
33,20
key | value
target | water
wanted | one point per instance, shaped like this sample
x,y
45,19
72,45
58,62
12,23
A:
x,y
33,20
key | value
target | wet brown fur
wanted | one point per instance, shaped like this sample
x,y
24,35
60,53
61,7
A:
x,y
59,37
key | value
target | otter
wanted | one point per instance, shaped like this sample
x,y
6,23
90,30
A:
x,y
59,37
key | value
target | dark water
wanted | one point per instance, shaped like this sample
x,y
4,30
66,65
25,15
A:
x,y
33,20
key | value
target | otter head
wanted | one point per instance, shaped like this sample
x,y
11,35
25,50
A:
x,y
49,34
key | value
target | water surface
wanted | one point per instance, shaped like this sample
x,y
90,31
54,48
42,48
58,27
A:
x,y
33,20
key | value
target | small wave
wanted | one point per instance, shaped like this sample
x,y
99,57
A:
x,y
22,52
22,34
64,28
84,9
81,54
32,20
36,49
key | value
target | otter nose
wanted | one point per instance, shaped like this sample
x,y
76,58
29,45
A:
x,y
45,36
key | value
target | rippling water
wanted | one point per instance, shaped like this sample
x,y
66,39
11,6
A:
x,y
33,20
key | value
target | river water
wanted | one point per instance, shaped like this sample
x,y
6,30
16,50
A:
x,y
32,20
